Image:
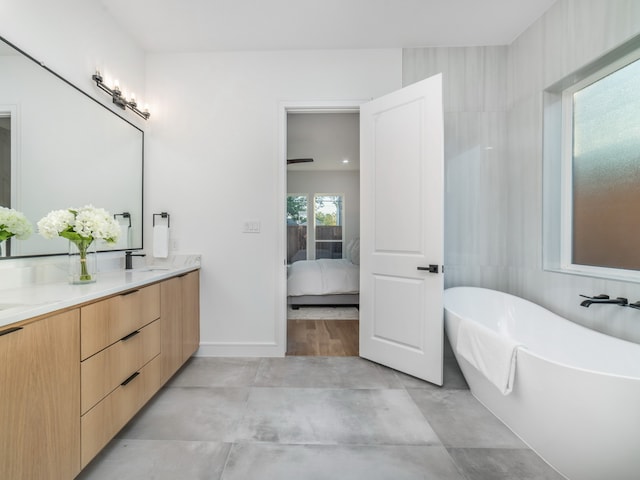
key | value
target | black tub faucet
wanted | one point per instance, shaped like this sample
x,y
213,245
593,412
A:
x,y
128,259
603,299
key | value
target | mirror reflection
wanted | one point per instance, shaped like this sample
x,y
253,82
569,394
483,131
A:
x,y
60,148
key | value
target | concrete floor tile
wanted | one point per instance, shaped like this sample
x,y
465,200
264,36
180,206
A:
x,y
461,421
334,416
452,378
324,372
503,464
208,414
313,418
158,460
216,372
322,462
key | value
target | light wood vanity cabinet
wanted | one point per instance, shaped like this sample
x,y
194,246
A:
x,y
107,321
70,381
40,398
191,314
180,307
120,345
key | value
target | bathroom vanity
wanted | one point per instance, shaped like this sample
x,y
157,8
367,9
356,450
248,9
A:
x,y
78,362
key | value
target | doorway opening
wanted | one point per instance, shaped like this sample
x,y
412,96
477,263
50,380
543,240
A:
x,y
323,231
7,166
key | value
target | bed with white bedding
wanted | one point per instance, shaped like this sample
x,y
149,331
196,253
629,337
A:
x,y
326,281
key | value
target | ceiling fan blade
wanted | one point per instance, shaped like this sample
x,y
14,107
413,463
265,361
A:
x,y
299,160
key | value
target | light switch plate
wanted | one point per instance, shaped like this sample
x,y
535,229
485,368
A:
x,y
251,226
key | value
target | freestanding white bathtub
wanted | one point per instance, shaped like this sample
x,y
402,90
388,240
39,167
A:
x,y
576,393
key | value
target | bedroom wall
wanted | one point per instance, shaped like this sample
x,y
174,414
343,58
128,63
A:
x,y
347,183
493,233
214,163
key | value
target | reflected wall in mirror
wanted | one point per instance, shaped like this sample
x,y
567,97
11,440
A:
x,y
60,148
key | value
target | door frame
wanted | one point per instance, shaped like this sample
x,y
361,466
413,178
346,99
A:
x,y
312,106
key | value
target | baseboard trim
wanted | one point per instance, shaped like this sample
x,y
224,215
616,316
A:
x,y
214,349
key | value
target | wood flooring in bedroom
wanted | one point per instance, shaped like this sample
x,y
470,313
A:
x,y
331,338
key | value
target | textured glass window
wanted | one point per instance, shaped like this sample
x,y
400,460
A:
x,y
606,171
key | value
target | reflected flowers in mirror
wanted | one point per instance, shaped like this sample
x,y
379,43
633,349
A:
x,y
14,223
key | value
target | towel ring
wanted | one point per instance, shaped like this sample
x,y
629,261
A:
x,y
123,215
163,215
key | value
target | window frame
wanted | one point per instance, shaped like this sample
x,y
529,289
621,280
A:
x,y
307,241
563,93
343,225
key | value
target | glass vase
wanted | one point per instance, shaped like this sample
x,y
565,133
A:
x,y
83,263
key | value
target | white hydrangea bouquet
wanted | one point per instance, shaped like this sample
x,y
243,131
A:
x,y
14,223
81,226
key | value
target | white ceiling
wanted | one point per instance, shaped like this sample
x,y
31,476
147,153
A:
x,y
328,138
210,25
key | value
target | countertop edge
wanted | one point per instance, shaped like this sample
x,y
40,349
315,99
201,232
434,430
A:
x,y
50,298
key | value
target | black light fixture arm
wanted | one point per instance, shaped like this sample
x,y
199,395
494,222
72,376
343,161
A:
x,y
118,98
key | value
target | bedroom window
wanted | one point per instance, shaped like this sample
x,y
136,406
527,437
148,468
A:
x,y
592,168
329,225
296,227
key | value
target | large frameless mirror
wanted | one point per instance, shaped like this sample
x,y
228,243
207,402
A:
x,y
60,148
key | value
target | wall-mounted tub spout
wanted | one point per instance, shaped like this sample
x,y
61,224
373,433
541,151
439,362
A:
x,y
603,299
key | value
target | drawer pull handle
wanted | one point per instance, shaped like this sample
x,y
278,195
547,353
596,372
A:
x,y
134,375
10,330
129,293
131,335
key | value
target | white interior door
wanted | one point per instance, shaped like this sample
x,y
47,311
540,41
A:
x,y
401,172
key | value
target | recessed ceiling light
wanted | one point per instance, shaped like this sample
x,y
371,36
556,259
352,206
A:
x,y
345,160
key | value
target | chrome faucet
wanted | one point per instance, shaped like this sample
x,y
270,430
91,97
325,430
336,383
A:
x,y
603,299
128,259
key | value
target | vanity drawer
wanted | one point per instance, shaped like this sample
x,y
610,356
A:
x,y
106,322
104,371
100,424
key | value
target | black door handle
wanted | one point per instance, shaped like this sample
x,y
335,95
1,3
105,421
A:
x,y
430,268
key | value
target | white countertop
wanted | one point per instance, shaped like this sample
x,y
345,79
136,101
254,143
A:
x,y
21,303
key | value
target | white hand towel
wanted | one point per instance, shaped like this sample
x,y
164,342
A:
x,y
491,354
160,241
124,237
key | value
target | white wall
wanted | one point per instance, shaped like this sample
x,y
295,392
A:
x,y
211,157
213,162
73,37
493,98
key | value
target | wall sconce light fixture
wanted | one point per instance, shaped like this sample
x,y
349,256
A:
x,y
118,98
